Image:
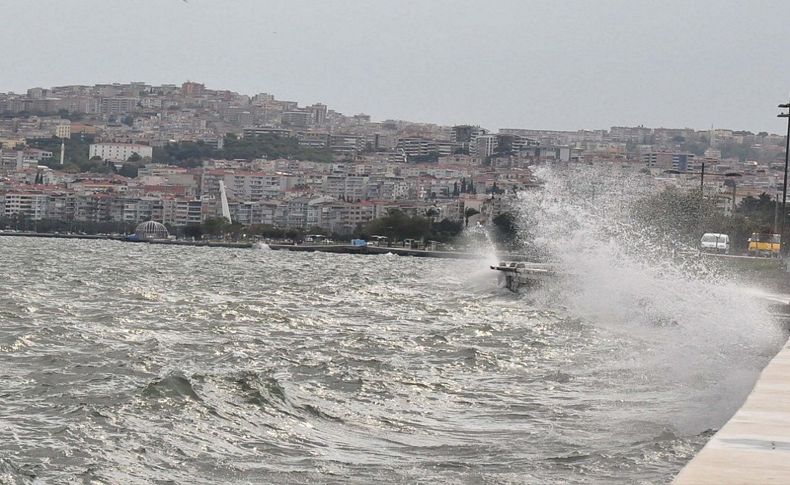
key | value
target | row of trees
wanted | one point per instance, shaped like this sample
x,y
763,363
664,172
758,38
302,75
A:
x,y
22,222
76,159
674,215
191,154
184,154
398,226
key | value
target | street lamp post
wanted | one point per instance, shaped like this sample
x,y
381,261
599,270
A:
x,y
784,184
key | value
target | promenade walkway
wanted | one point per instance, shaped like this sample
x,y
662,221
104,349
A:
x,y
753,447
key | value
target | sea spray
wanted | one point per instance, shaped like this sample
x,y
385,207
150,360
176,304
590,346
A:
x,y
476,239
689,324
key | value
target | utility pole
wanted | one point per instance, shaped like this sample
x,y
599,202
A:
x,y
784,184
776,213
701,200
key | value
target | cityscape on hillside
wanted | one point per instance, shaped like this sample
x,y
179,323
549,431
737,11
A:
x,y
109,156
355,242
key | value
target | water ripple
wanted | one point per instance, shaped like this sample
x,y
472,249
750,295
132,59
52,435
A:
x,y
126,363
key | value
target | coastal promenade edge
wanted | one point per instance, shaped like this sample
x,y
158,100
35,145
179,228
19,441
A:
x,y
324,248
753,447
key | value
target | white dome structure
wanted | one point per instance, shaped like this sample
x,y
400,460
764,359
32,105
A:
x,y
145,231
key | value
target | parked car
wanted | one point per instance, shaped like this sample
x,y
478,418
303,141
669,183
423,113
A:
x,y
714,242
765,244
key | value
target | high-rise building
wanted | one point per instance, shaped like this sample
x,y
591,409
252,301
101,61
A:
x,y
485,145
118,105
464,136
296,118
318,112
192,89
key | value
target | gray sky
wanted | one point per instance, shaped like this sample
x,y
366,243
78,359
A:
x,y
519,64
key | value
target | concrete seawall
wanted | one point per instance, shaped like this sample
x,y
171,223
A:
x,y
348,249
753,447
324,248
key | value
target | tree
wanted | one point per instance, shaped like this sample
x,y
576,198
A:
x,y
397,225
673,215
506,230
194,231
469,212
77,150
741,151
235,229
214,226
446,230
190,154
129,170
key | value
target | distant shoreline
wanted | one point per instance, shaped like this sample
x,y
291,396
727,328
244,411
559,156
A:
x,y
324,248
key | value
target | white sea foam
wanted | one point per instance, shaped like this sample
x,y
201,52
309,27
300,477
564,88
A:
x,y
689,324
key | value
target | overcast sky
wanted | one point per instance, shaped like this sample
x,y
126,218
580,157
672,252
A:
x,y
517,64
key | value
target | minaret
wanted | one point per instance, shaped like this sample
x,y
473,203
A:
x,y
62,150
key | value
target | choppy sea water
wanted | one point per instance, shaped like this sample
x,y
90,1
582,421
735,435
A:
x,y
132,363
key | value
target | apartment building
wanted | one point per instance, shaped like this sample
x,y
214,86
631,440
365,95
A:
x,y
31,205
417,148
119,152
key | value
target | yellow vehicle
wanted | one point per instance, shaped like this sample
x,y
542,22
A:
x,y
766,245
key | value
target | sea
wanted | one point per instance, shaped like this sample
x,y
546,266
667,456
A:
x,y
126,363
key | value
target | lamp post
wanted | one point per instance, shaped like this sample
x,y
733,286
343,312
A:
x,y
784,184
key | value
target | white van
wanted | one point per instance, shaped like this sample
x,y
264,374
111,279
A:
x,y
714,242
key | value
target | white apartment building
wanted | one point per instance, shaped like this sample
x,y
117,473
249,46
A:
x,y
119,152
485,145
254,212
32,205
248,185
346,186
